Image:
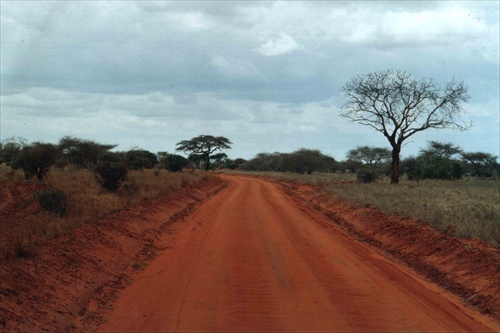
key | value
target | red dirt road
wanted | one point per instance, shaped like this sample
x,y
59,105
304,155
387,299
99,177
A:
x,y
252,259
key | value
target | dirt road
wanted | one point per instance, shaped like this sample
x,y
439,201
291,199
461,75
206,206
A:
x,y
253,259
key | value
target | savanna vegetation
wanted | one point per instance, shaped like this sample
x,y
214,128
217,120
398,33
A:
x,y
452,190
59,187
82,181
71,197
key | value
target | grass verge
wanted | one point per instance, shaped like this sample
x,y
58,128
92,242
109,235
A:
x,y
466,209
24,225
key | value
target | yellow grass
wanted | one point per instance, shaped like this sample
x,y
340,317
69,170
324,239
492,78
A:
x,y
86,203
467,209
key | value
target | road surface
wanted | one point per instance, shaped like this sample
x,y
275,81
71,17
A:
x,y
252,259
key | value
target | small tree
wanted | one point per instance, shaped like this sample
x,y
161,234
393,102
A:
x,y
439,149
175,163
82,153
9,148
304,161
393,103
437,161
218,160
366,175
372,157
479,164
111,171
162,156
141,159
36,159
412,167
204,145
237,163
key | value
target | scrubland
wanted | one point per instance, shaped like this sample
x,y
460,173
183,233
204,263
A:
x,y
24,225
468,208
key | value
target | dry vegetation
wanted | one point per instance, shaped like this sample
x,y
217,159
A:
x,y
314,178
468,208
21,230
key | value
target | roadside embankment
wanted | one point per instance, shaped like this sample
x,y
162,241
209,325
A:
x,y
63,286
469,269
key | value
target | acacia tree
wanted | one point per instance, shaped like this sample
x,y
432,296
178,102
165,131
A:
x,y
371,156
395,104
36,159
9,148
204,145
479,164
437,162
82,153
442,150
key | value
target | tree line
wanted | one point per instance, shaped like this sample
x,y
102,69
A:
x,y
436,161
390,102
110,167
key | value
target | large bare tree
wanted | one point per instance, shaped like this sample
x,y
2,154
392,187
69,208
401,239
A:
x,y
395,104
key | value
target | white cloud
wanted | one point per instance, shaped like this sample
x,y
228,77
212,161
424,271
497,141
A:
x,y
277,46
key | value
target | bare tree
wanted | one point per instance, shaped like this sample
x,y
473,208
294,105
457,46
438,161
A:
x,y
395,104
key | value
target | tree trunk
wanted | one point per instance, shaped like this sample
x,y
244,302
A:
x,y
395,165
207,162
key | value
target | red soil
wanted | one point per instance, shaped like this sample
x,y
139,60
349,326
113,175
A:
x,y
251,258
469,269
67,283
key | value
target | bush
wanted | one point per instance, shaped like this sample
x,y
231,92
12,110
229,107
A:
x,y
141,159
366,175
110,175
175,163
36,160
52,200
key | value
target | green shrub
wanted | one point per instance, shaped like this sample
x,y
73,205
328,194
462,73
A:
x,y
36,159
175,163
52,200
110,175
366,175
140,159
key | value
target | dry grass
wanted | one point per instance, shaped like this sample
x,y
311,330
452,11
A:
x,y
86,203
314,178
467,209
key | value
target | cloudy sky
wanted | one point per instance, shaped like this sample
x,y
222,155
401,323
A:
x,y
267,75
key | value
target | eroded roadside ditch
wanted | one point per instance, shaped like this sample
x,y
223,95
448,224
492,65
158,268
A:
x,y
66,285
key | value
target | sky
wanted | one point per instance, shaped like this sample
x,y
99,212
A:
x,y
267,75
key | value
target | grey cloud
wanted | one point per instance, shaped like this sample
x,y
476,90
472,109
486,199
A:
x,y
179,68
